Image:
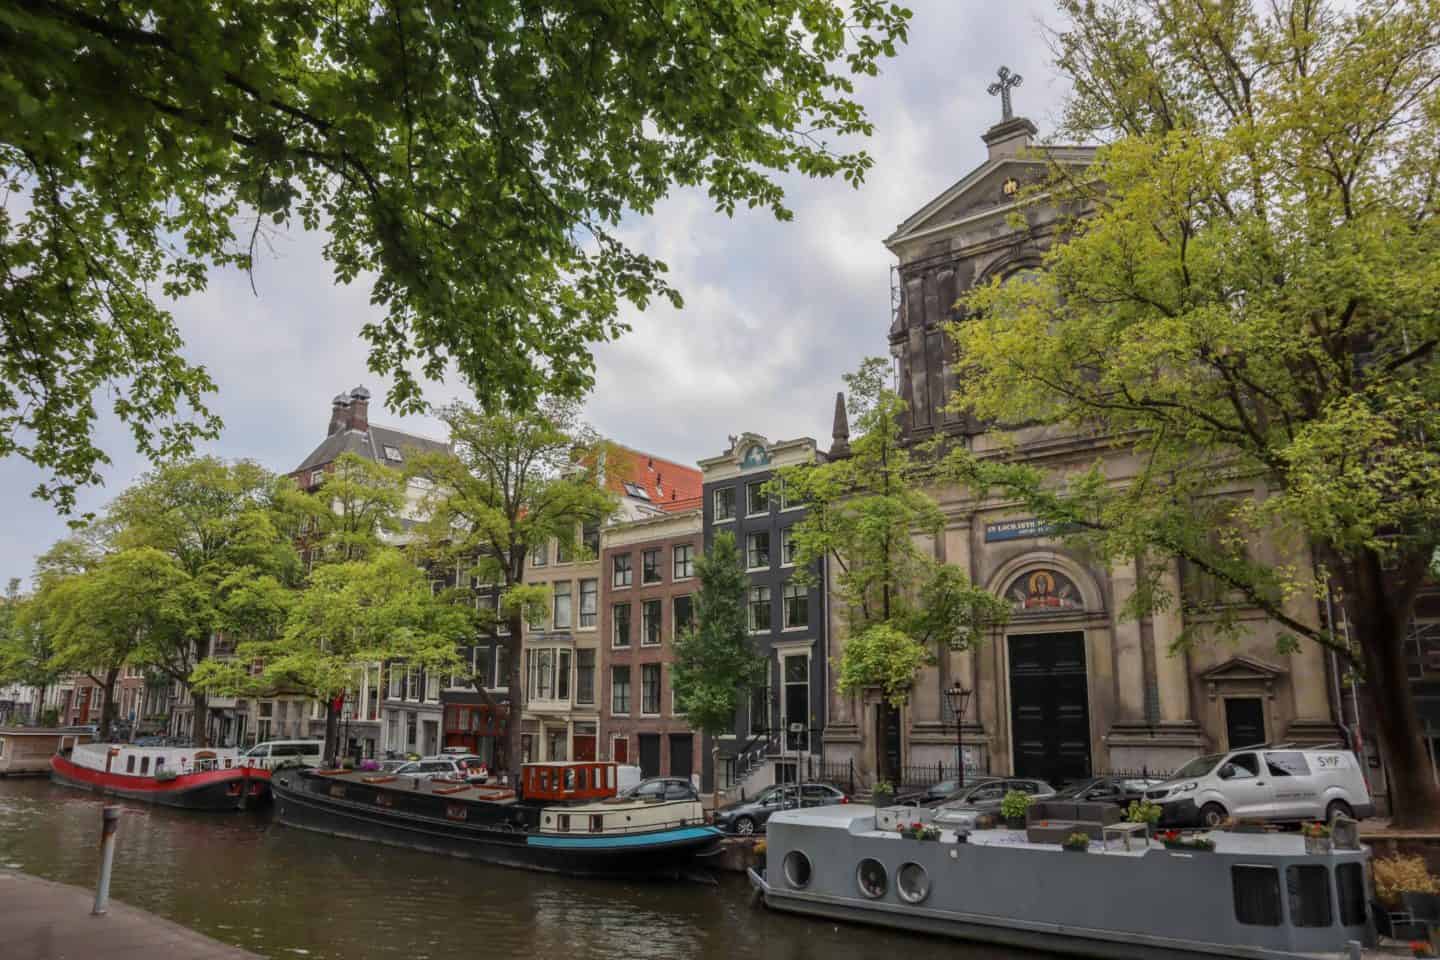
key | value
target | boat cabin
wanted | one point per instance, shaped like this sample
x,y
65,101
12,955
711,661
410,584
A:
x,y
128,760
26,751
575,781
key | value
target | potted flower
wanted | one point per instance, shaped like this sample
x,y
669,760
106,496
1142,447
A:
x,y
1014,807
1317,837
1143,811
1077,842
883,793
1420,948
1175,840
919,831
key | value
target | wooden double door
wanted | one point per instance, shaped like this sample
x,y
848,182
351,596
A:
x,y
1049,706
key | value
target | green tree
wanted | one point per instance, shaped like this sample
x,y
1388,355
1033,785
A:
x,y
351,614
355,512
1249,305
229,528
474,163
25,651
97,620
513,481
865,514
715,658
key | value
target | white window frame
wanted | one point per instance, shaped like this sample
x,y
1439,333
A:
x,y
657,553
715,505
540,554
615,571
785,598
569,598
659,689
594,623
645,605
769,557
614,623
759,487
689,561
751,600
317,477
629,691
786,547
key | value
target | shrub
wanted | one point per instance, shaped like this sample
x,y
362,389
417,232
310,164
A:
x,y
884,792
1015,804
1077,841
1143,811
1399,874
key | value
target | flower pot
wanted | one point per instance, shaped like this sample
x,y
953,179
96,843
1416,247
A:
x,y
1076,849
1015,823
1320,845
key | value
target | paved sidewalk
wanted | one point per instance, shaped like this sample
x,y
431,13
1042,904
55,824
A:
x,y
41,920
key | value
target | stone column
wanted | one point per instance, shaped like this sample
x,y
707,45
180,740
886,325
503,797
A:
x,y
1129,655
1172,672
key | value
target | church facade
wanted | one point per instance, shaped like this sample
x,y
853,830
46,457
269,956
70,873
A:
x,y
1069,687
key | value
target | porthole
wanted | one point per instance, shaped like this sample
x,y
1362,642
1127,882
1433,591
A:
x,y
797,869
912,883
870,876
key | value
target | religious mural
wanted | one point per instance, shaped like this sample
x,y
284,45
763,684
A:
x,y
1044,591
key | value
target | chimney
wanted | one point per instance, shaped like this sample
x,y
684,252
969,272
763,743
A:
x,y
339,414
840,432
360,409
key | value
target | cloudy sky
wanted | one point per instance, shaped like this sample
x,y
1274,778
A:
x,y
774,312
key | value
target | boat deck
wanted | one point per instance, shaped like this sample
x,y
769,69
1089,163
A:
x,y
451,790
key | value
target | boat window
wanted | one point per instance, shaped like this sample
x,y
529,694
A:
x,y
1350,885
1257,895
456,811
569,778
145,765
870,876
797,869
912,882
597,823
130,763
562,823
1287,763
1309,896
675,790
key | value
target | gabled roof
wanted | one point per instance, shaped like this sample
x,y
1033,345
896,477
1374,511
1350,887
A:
x,y
647,478
370,444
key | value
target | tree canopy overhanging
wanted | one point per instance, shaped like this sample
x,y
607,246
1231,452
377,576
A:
x,y
1249,302
475,163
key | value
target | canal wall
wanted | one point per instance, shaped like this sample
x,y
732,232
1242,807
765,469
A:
x,y
737,854
42,920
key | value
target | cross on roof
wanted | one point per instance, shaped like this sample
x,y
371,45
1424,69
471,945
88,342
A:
x,y
1002,87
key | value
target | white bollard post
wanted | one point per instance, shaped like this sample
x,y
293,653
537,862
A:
x,y
110,824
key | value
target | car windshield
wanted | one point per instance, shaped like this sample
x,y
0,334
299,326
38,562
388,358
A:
x,y
1075,789
1197,767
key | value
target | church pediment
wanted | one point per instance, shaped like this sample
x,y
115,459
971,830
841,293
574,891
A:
x,y
1242,669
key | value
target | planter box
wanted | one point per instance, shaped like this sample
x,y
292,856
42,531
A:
x,y
892,818
1320,845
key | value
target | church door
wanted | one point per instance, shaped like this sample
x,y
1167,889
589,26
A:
x,y
1244,722
1049,707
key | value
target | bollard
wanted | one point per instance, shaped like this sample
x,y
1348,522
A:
x,y
111,823
1353,950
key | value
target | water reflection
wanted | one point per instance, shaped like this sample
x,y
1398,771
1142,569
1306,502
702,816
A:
x,y
287,893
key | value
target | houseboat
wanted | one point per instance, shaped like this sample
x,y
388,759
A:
x,y
1260,896
193,778
26,751
565,817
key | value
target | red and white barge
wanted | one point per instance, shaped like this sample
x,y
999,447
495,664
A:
x,y
189,777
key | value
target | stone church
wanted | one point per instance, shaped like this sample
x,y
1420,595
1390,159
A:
x,y
1068,687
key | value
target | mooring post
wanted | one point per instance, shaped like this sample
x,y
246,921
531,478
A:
x,y
110,823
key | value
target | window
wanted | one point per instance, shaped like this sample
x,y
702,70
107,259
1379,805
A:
x,y
684,561
760,706
620,618
788,500
1244,766
1257,895
397,688
584,676
412,684
432,686
1309,889
621,573
620,690
787,547
589,602
540,555
912,882
393,453
548,673
650,688
590,538
760,608
757,550
562,605
317,477
797,869
724,504
755,499
870,876
797,606
1288,763
562,675
650,623
1350,886
650,567
683,613
564,551
502,666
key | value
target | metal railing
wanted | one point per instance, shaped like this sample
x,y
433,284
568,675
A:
x,y
750,756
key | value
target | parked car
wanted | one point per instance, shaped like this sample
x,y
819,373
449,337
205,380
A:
x,y
274,754
1279,784
451,767
1117,790
750,816
661,788
962,808
937,793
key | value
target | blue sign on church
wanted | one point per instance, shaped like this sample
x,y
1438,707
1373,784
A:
x,y
1030,528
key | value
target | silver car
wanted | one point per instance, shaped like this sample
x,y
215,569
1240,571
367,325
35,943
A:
x,y
961,809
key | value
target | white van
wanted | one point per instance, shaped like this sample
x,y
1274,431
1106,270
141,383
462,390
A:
x,y
273,754
1264,783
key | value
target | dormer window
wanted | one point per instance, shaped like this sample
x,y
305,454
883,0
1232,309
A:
x,y
393,453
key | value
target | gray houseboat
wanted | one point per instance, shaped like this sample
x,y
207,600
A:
x,y
1254,895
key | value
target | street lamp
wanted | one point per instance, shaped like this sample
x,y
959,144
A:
x,y
957,698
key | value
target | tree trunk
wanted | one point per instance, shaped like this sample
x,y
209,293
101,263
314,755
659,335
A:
x,y
517,700
1381,621
200,722
332,732
107,712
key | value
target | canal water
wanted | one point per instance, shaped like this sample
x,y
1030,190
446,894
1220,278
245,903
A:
x,y
286,893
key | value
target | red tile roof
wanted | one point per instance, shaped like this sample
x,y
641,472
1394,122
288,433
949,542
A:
x,y
665,483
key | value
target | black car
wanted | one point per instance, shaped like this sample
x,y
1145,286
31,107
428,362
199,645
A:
x,y
1117,790
942,791
750,816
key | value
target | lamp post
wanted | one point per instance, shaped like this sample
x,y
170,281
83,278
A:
x,y
957,698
